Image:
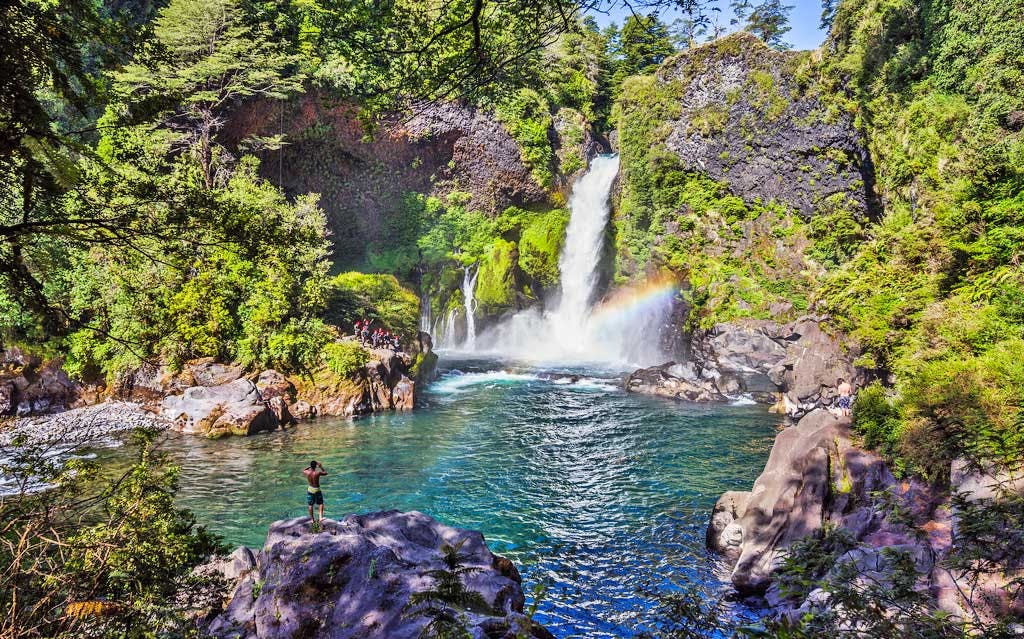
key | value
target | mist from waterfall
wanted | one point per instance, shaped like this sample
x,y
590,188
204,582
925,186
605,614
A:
x,y
623,329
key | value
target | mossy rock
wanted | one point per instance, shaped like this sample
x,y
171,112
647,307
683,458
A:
x,y
496,285
424,367
541,245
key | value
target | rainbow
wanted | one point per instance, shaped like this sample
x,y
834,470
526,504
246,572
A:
x,y
628,301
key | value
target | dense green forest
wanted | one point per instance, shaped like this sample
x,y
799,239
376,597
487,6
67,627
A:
x,y
137,225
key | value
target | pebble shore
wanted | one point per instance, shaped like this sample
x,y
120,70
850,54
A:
x,y
84,426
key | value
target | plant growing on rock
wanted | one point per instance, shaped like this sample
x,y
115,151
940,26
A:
x,y
444,602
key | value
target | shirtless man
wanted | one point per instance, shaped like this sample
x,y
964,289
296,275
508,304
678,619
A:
x,y
314,496
845,399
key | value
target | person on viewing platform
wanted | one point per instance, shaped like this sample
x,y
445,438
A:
x,y
845,397
314,496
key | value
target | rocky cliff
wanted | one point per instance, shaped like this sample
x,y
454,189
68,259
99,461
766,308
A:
x,y
795,366
818,482
741,176
362,178
754,119
203,397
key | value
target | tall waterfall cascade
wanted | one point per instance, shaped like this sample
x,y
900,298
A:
x,y
469,296
623,329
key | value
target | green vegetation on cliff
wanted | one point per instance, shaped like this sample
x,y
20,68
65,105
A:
x,y
935,292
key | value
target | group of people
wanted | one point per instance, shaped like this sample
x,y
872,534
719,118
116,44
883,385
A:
x,y
376,337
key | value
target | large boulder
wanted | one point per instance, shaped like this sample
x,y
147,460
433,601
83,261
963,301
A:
x,y
355,578
150,383
661,381
236,408
803,359
383,384
725,534
814,476
751,347
816,359
30,385
989,591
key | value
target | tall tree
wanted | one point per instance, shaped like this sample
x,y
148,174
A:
x,y
828,13
644,43
50,57
770,22
204,58
740,10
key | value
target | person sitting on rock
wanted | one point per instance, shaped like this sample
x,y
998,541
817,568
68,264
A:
x,y
845,397
314,496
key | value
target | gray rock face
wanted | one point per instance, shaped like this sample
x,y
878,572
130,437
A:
x,y
30,386
813,476
746,121
354,579
740,347
800,359
234,408
443,147
815,362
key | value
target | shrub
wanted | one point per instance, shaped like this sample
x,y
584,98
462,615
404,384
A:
x,y
876,419
345,359
380,298
527,117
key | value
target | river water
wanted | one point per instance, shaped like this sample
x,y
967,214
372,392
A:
x,y
588,489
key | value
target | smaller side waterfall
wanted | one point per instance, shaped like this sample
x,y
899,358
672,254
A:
x,y
426,319
469,295
444,330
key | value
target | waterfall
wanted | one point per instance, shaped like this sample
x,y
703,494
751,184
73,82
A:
x,y
444,330
426,322
623,329
584,240
469,295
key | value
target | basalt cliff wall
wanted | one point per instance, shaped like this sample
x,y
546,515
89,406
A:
x,y
363,176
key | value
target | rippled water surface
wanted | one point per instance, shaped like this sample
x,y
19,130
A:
x,y
588,489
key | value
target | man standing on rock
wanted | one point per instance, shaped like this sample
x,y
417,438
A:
x,y
314,496
845,399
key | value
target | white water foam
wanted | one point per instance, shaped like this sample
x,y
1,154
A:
x,y
455,383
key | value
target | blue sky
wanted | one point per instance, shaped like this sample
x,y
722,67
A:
x,y
804,19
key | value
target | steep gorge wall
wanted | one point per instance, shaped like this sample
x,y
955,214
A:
x,y
363,179
740,176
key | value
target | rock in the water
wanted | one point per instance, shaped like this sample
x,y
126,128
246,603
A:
x,y
383,384
272,384
403,394
802,359
354,579
725,534
302,410
813,475
657,380
229,409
